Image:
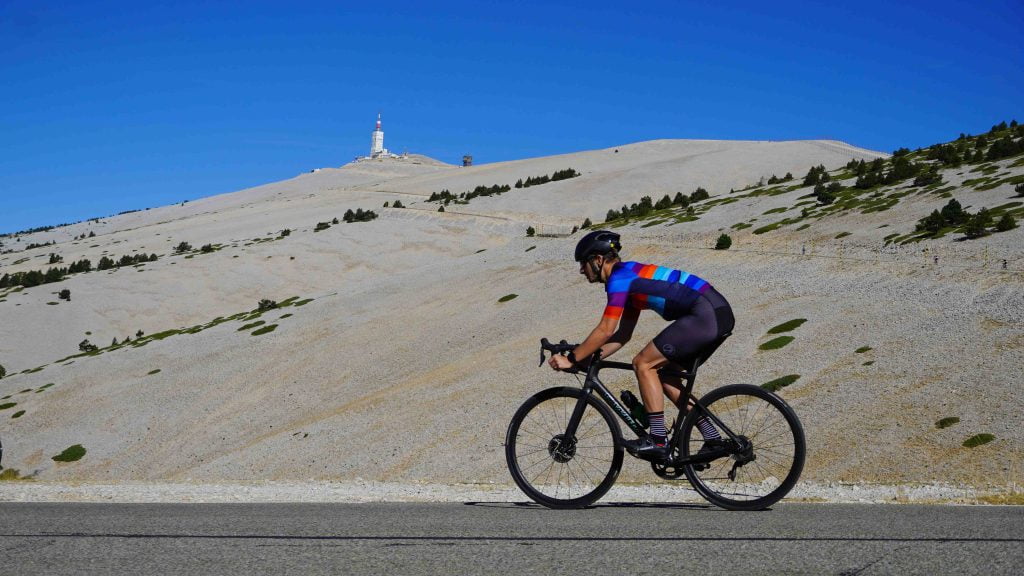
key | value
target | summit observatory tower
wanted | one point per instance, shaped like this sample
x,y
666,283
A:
x,y
377,141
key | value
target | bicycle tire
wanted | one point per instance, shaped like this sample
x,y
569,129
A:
x,y
779,451
534,435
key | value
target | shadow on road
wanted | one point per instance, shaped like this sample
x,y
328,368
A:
x,y
656,505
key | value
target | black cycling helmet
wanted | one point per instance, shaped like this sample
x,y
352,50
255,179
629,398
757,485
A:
x,y
598,242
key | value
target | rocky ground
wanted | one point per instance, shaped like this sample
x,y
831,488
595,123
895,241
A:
x,y
394,360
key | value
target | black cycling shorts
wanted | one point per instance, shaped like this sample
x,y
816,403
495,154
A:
x,y
687,338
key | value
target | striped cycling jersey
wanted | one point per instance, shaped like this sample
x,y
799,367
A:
x,y
671,293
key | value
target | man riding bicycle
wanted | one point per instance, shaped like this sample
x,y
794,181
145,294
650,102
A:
x,y
699,314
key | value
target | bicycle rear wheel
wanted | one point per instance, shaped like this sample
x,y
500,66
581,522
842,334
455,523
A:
x,y
557,471
761,475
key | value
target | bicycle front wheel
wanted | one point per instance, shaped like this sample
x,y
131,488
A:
x,y
557,470
772,453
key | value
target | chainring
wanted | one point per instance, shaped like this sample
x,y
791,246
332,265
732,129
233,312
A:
x,y
668,469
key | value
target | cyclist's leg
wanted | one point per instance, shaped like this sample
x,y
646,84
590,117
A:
x,y
646,365
653,446
672,386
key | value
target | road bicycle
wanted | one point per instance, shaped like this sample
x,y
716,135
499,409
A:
x,y
564,446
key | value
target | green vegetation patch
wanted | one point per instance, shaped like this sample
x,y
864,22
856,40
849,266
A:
x,y
17,414
787,326
264,330
880,205
304,302
151,372
70,454
508,297
868,363
947,422
776,343
252,325
44,387
978,440
775,210
10,475
1010,180
780,383
530,248
862,349
283,316
842,235
7,405
767,228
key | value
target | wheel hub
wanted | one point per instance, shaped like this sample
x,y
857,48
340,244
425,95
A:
x,y
561,450
745,451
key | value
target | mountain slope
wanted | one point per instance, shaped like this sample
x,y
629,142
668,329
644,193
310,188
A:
x,y
405,365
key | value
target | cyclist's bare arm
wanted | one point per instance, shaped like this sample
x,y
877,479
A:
x,y
623,334
606,334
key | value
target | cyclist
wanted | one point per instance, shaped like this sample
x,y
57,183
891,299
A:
x,y
699,315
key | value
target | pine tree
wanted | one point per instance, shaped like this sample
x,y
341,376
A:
x,y
953,213
931,223
1005,223
977,225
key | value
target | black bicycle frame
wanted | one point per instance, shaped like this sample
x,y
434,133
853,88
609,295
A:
x,y
592,383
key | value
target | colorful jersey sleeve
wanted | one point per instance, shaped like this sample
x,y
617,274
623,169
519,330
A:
x,y
667,291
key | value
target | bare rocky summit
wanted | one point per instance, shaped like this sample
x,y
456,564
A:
x,y
391,359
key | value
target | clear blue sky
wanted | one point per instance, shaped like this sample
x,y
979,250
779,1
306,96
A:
x,y
111,106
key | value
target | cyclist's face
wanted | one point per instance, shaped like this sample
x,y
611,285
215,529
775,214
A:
x,y
588,270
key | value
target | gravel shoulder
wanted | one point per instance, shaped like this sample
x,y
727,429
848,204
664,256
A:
x,y
371,491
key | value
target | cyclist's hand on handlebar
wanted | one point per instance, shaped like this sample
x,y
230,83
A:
x,y
559,362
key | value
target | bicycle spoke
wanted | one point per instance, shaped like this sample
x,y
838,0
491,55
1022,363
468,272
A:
x,y
560,471
544,427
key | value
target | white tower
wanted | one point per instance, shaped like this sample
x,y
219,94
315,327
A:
x,y
377,141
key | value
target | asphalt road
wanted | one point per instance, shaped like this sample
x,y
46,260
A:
x,y
510,539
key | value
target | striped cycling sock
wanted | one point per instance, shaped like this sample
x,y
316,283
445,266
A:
x,y
658,432
707,429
